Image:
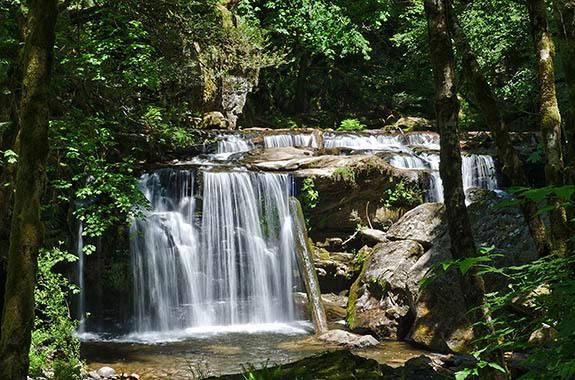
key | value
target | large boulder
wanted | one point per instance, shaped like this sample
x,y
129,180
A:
x,y
422,224
387,298
380,300
350,187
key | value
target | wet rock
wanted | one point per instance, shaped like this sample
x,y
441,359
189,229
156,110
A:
x,y
333,304
422,224
411,123
373,235
347,339
106,372
335,270
94,375
214,120
380,300
543,335
350,189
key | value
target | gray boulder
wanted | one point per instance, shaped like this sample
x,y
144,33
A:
x,y
347,339
387,298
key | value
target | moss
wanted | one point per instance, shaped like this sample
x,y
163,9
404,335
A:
x,y
353,295
336,365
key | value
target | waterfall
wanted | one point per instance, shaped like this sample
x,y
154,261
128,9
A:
x,y
478,171
233,264
273,141
228,144
81,306
423,161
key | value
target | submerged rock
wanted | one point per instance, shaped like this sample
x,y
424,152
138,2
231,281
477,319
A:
x,y
106,372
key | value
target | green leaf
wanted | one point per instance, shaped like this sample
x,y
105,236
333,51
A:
x,y
496,366
544,209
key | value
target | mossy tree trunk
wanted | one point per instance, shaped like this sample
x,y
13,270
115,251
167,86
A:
x,y
447,108
512,166
565,19
550,118
9,133
26,229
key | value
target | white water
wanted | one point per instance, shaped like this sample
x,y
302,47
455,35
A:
x,y
273,141
81,307
231,266
230,144
477,171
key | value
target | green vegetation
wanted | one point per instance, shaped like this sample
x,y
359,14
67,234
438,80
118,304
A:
x,y
52,339
265,372
351,125
400,195
347,174
309,194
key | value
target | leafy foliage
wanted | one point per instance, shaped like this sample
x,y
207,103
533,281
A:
x,y
351,125
52,339
309,194
400,194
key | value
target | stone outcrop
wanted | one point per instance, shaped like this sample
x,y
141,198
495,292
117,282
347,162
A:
x,y
387,299
412,123
347,339
381,299
350,187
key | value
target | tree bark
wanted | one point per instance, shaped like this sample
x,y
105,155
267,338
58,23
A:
x,y
300,99
550,118
512,166
447,108
565,19
26,230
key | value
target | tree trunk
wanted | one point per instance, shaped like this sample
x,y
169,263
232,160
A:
x,y
512,166
26,231
550,118
300,100
447,108
565,19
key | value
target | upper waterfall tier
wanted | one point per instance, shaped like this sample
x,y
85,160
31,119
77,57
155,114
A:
x,y
412,151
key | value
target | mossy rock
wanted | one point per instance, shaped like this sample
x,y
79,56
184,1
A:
x,y
336,365
344,365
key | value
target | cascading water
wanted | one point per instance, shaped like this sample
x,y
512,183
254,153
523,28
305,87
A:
x,y
273,141
232,144
81,306
423,161
478,171
232,265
